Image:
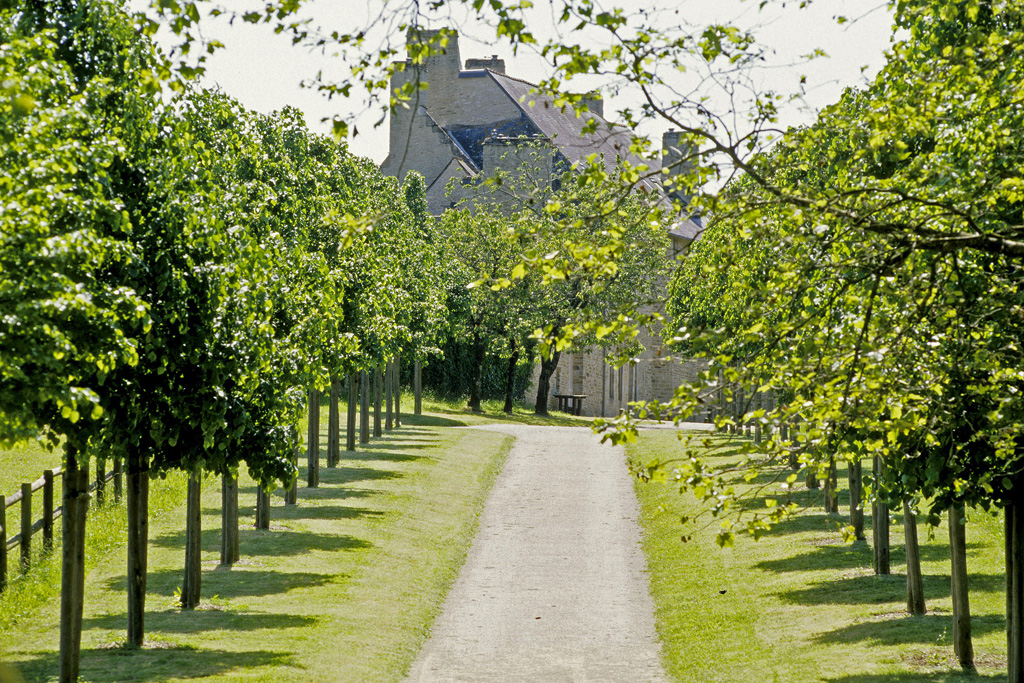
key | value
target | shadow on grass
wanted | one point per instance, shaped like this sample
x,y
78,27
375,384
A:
x,y
872,589
904,677
233,583
429,421
195,621
925,629
275,542
843,556
117,665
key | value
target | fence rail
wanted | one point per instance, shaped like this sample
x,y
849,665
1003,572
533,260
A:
x,y
29,528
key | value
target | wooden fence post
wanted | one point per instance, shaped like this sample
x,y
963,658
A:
x,y
26,525
118,479
397,372
313,440
417,387
353,399
3,543
101,481
364,407
389,394
333,425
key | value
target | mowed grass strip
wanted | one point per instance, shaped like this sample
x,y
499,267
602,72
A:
x,y
343,587
800,604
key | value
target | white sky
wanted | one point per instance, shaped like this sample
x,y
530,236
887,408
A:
x,y
264,71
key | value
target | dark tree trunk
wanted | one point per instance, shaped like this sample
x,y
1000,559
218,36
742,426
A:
x,y
291,494
915,583
476,369
334,425
138,546
880,526
313,440
832,487
397,373
378,399
364,407
72,595
510,377
417,388
389,394
229,521
101,482
350,423
118,479
547,369
1014,521
855,473
191,586
262,507
963,645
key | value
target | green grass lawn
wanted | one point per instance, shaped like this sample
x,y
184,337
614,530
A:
x,y
344,587
801,605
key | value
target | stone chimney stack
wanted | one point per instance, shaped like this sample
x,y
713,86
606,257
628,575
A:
x,y
492,63
673,151
594,102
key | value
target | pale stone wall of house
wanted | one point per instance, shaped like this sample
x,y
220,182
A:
x,y
430,154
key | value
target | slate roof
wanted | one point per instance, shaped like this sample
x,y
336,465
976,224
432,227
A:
x,y
565,130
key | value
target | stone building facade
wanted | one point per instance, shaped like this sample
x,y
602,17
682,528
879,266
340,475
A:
x,y
473,120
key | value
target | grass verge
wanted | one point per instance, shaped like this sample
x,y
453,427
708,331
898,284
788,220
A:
x,y
343,587
800,605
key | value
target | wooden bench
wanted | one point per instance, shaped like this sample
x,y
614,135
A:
x,y
571,403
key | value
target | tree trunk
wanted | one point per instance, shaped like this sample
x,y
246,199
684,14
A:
x,y
334,425
291,495
313,440
855,473
118,479
353,400
72,595
378,398
397,372
138,546
229,521
832,487
389,394
417,387
547,369
262,507
193,579
880,526
1014,521
915,584
510,377
364,407
963,646
475,371
101,482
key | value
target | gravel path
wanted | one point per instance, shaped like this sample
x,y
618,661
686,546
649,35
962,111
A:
x,y
555,584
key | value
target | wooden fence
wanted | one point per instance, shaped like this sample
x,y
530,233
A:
x,y
23,539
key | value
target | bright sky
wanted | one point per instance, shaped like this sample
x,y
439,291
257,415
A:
x,y
265,71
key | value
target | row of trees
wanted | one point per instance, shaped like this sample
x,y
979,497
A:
x,y
868,269
178,274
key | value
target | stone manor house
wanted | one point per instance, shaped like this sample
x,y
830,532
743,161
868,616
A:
x,y
461,128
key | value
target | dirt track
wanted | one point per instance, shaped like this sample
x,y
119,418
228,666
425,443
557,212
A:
x,y
555,586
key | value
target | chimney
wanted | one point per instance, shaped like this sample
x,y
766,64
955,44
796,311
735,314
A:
x,y
594,102
444,48
492,63
673,151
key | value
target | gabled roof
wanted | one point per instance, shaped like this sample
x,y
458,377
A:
x,y
565,129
